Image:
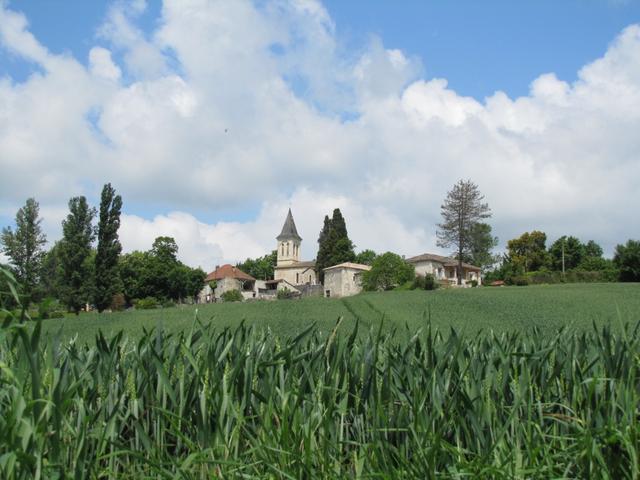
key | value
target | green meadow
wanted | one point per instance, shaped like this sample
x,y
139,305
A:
x,y
468,311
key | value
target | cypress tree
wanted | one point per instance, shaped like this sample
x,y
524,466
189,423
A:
x,y
324,250
334,246
107,278
75,249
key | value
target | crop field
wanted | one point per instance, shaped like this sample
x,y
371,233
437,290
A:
x,y
469,311
241,403
535,382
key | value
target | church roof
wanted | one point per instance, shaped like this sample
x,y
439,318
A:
x,y
289,229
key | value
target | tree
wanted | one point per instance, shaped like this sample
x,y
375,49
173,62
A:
x,y
261,267
528,252
365,257
568,250
462,209
592,249
107,279
482,242
334,245
24,247
51,274
388,271
627,259
324,249
75,249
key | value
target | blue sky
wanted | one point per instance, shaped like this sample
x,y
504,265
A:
x,y
212,118
479,47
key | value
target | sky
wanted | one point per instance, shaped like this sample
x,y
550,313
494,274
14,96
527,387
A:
x,y
211,118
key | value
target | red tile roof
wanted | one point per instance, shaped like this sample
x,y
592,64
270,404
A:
x,y
228,271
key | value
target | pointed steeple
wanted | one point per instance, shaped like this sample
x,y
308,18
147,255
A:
x,y
289,230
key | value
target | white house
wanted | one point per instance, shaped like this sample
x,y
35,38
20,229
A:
x,y
444,268
344,279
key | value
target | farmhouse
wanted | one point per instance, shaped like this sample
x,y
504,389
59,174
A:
x,y
225,278
344,279
444,268
289,267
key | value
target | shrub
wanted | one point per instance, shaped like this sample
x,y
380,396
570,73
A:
x,y
232,296
286,294
118,302
418,283
168,303
474,283
148,303
430,282
50,308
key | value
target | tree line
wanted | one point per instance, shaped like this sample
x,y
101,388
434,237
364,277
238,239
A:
x,y
86,266
529,260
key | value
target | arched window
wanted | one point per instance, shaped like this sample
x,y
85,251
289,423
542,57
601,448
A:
x,y
282,248
287,249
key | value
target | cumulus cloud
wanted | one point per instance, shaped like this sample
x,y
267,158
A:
x,y
232,106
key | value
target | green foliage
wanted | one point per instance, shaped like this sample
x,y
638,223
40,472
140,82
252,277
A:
x,y
260,268
462,210
627,259
158,273
334,246
75,255
107,277
389,270
50,308
286,294
25,248
482,242
574,253
424,282
528,252
51,274
244,403
118,302
147,303
232,296
366,257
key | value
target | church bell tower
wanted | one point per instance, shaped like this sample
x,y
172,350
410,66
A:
x,y
288,243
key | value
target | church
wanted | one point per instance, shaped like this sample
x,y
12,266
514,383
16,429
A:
x,y
289,267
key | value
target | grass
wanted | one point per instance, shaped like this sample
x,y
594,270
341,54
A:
x,y
469,311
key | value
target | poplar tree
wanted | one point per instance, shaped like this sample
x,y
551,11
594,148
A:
x,y
24,247
107,278
462,210
75,251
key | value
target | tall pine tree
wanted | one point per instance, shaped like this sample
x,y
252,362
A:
x,y
107,278
75,251
334,246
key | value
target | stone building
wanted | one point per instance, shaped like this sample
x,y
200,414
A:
x,y
289,267
225,278
344,279
444,269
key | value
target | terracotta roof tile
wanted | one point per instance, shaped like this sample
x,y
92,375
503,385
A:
x,y
228,271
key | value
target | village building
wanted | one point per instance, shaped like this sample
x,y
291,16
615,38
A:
x,y
289,267
344,279
445,269
225,278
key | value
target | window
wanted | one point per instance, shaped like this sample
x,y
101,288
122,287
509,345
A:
x,y
287,249
282,248
297,278
327,293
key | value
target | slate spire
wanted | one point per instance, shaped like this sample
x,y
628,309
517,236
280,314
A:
x,y
289,230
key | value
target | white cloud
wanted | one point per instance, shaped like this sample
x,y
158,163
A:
x,y
233,106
